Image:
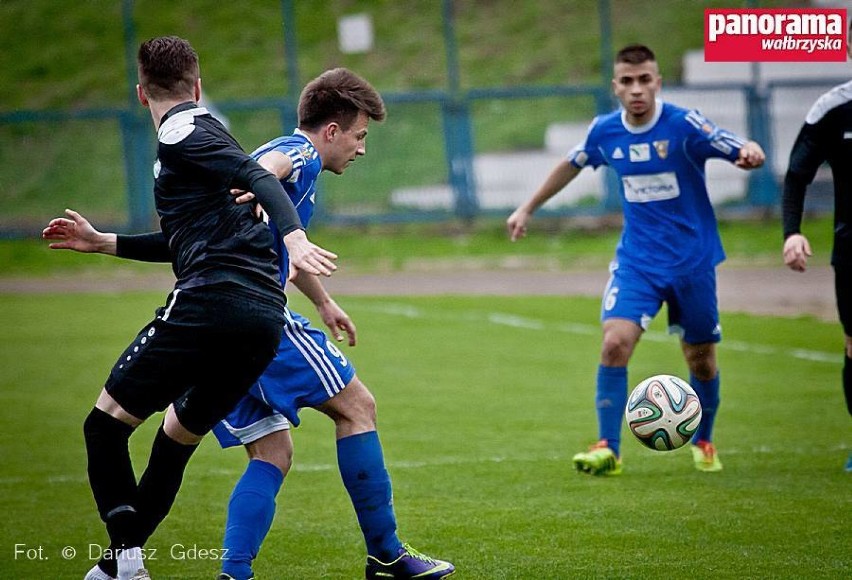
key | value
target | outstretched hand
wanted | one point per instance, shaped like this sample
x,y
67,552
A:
x,y
76,233
307,256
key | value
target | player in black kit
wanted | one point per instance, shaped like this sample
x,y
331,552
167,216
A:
x,y
220,326
826,136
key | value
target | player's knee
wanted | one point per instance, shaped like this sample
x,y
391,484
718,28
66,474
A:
x,y
703,372
99,424
361,404
182,431
92,424
701,360
702,368
615,350
276,448
360,415
283,461
367,407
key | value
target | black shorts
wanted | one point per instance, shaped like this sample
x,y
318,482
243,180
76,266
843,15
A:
x,y
202,352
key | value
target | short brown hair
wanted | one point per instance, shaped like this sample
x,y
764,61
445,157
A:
x,y
168,68
635,54
338,95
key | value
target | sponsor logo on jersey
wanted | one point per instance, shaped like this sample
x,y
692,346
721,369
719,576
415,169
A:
x,y
662,148
640,152
847,135
654,187
618,153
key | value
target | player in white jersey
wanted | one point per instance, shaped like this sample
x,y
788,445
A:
x,y
669,246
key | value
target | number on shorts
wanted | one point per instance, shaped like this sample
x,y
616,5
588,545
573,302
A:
x,y
611,296
332,348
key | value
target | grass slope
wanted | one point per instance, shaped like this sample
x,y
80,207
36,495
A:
x,y
78,61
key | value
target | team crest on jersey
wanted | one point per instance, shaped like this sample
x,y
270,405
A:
x,y
618,153
157,168
662,148
640,152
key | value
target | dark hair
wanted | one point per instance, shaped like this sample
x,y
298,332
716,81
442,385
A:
x,y
168,68
338,95
635,54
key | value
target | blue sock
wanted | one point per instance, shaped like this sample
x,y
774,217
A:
x,y
362,467
708,395
610,400
250,514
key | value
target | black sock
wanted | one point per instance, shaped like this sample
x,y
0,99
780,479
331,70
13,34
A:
x,y
847,382
111,474
109,565
161,481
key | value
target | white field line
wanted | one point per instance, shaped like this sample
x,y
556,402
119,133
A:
x,y
525,323
440,461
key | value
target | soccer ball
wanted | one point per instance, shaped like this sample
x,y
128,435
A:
x,y
663,412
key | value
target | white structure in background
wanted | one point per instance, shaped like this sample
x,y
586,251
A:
x,y
214,110
505,180
355,33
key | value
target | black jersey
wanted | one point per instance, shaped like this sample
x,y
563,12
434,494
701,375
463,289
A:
x,y
826,136
211,239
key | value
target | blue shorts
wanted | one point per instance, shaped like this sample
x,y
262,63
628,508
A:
x,y
307,370
691,299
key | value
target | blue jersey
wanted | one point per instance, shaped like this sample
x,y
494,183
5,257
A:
x,y
300,185
669,223
308,369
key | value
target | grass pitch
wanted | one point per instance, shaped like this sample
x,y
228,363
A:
x,y
482,403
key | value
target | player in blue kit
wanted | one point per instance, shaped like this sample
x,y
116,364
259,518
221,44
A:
x,y
669,246
308,369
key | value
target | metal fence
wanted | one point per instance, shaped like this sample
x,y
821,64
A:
x,y
444,154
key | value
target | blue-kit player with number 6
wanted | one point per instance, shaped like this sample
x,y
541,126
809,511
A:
x,y
669,246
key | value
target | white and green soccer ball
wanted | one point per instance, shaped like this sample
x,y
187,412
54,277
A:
x,y
663,412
